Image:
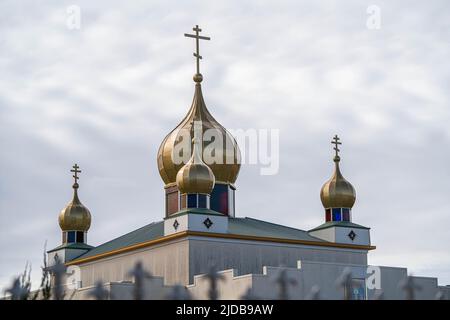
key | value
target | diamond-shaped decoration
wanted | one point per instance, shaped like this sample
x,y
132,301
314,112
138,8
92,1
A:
x,y
175,224
208,223
352,235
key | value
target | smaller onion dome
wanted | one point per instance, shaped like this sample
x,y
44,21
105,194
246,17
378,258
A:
x,y
337,192
75,216
195,176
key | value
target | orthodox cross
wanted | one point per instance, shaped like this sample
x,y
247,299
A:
x,y
213,278
283,281
139,274
197,37
408,285
178,292
336,144
17,290
76,172
99,292
345,281
59,271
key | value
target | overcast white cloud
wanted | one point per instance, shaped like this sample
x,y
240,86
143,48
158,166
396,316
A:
x,y
105,96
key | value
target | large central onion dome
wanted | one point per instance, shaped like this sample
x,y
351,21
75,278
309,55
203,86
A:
x,y
225,170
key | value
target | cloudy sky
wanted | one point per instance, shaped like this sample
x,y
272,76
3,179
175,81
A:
x,y
105,95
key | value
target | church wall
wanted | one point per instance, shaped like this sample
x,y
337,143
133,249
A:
x,y
152,289
445,290
324,276
390,278
231,287
168,260
428,288
264,284
250,256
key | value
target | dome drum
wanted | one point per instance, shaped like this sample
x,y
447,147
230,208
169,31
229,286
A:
x,y
194,200
74,236
221,199
338,214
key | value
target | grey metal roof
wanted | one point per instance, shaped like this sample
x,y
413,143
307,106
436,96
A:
x,y
151,231
239,226
253,227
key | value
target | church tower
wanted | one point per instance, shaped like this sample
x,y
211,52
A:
x,y
220,152
74,221
337,194
75,218
338,197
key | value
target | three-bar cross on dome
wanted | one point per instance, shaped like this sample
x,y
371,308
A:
x,y
198,76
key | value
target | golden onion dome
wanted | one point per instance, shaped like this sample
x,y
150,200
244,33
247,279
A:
x,y
75,216
337,192
225,170
195,176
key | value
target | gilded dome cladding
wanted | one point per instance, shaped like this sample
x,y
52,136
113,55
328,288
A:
x,y
195,176
337,192
225,170
75,216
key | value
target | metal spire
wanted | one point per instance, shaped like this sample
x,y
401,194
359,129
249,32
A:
x,y
283,281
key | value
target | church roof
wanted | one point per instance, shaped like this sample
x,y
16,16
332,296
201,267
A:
x,y
149,232
254,227
236,226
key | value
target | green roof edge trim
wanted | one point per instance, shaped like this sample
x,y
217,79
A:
x,y
81,246
344,224
195,211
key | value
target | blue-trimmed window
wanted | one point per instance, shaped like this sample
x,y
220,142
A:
x,y
202,200
80,236
337,214
71,236
192,201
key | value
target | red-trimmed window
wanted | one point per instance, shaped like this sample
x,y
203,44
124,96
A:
x,y
327,215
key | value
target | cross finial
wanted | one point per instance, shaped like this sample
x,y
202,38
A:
x,y
214,278
336,145
76,172
197,55
139,274
409,286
